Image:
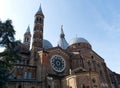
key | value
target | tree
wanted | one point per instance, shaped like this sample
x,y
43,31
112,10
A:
x,y
10,55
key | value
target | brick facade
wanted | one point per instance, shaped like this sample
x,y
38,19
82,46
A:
x,y
81,66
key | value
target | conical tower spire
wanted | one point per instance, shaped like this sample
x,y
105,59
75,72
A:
x,y
62,35
39,10
62,42
28,29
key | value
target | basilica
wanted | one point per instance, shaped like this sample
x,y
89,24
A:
x,y
73,65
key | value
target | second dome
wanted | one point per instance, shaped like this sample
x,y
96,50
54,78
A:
x,y
78,40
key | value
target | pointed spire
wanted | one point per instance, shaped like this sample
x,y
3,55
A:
x,y
28,29
62,29
39,10
62,42
62,33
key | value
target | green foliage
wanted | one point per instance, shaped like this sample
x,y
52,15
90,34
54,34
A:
x,y
10,55
7,33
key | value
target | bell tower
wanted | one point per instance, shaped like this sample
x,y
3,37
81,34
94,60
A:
x,y
37,43
38,31
27,38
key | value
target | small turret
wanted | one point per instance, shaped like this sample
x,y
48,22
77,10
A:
x,y
27,38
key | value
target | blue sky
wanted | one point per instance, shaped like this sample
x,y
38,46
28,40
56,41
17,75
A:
x,y
98,21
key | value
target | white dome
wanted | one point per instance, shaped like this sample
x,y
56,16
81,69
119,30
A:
x,y
78,40
46,44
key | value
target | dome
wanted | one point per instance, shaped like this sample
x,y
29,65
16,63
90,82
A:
x,y
46,44
78,40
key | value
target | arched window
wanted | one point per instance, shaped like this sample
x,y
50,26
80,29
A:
x,y
19,86
29,75
89,65
93,80
40,20
25,75
36,21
